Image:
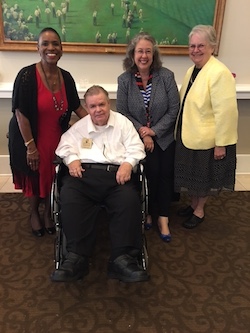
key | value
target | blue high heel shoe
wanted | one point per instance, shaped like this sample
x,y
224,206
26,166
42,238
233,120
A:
x,y
149,223
148,226
166,238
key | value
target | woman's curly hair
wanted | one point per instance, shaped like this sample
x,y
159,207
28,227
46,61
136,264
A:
x,y
129,64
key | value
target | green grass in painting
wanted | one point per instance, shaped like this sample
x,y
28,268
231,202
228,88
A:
x,y
166,20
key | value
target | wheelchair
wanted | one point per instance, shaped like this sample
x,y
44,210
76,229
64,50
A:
x,y
60,250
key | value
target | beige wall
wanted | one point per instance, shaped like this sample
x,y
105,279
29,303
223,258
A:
x,y
243,146
102,68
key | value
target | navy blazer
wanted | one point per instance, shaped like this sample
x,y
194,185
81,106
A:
x,y
163,106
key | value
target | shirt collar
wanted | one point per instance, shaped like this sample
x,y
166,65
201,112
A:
x,y
91,126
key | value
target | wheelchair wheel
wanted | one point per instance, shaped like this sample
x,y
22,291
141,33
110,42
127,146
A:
x,y
60,241
54,199
143,256
60,250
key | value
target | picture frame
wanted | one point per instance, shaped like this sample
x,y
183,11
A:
x,y
107,48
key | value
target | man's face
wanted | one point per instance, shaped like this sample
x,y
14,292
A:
x,y
98,107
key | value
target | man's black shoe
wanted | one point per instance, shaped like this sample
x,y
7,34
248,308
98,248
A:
x,y
126,269
73,268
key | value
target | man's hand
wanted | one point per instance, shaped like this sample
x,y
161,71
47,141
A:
x,y
75,169
123,174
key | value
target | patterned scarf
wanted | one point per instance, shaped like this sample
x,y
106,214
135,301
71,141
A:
x,y
145,93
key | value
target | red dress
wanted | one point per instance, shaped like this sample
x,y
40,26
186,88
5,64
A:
x,y
49,133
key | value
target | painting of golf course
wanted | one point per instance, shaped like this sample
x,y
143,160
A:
x,y
111,22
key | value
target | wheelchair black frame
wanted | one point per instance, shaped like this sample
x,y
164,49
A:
x,y
60,241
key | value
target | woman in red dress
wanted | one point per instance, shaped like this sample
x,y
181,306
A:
x,y
44,97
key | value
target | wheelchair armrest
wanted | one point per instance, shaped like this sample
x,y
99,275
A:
x,y
141,166
57,160
143,162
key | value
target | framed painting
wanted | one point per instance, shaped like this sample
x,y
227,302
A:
x,y
101,26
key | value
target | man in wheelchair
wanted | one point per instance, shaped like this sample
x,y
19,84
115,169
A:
x,y
100,151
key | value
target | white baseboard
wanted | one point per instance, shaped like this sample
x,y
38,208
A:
x,y
243,164
5,165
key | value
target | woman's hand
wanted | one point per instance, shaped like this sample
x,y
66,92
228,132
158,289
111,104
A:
x,y
145,131
219,153
33,157
148,143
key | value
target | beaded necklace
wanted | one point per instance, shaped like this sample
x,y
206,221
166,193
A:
x,y
56,105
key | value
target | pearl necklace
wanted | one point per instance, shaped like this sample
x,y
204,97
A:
x,y
56,105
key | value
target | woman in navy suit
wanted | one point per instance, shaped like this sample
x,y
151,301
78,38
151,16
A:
x,y
148,95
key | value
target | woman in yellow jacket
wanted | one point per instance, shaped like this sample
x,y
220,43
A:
x,y
206,128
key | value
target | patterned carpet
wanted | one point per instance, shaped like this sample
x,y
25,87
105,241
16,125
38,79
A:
x,y
200,282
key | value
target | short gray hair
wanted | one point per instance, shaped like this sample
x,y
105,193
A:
x,y
95,90
207,31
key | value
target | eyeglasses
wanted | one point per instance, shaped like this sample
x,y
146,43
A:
x,y
141,52
198,46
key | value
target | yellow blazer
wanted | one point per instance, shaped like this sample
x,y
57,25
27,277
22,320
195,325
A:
x,y
210,114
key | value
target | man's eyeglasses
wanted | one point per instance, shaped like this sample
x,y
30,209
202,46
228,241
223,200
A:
x,y
198,46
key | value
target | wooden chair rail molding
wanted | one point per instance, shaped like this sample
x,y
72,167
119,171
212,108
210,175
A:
x,y
243,90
